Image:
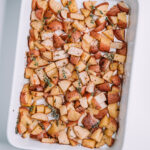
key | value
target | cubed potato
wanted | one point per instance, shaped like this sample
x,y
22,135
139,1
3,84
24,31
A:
x,y
40,108
122,20
28,73
64,73
85,46
92,61
105,87
47,110
72,96
34,80
113,97
85,12
37,25
100,98
73,115
83,102
75,51
107,76
48,140
119,58
120,69
104,122
62,137
120,34
63,110
88,143
84,77
109,33
76,16
37,130
73,7
123,6
64,85
108,140
112,125
73,142
55,6
80,132
32,125
61,63
37,95
77,25
56,91
90,87
88,4
101,113
58,101
105,44
64,13
50,100
80,66
88,38
113,66
108,132
85,57
48,44
21,128
40,116
96,80
96,35
113,11
64,2
100,144
116,45
90,22
97,135
58,55
70,67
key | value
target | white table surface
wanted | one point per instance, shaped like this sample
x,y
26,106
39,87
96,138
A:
x,y
137,136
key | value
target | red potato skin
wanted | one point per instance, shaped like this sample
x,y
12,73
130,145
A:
x,y
34,53
113,97
32,34
55,25
100,27
98,55
36,88
83,89
105,3
58,41
48,14
120,36
104,47
95,35
74,59
72,123
95,104
104,64
101,113
116,80
80,109
105,87
22,98
124,9
70,94
113,11
39,14
34,3
94,48
122,51
88,121
95,68
122,24
75,36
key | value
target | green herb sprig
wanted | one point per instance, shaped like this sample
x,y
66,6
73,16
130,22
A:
x,y
54,112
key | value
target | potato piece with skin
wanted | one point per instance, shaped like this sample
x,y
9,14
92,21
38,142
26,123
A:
x,y
88,143
58,41
58,101
37,25
62,63
97,135
85,12
64,73
113,11
39,14
77,25
85,46
107,76
64,85
123,50
104,64
72,96
40,116
113,110
58,55
74,59
95,68
105,44
76,16
90,87
34,80
101,113
48,140
123,6
88,38
48,44
90,22
122,20
96,35
89,121
120,58
109,33
63,110
55,25
75,51
73,142
42,4
84,77
108,140
73,115
100,144
37,130
56,91
96,80
80,66
105,87
116,80
101,9
47,110
75,36
64,13
94,47
82,133
83,102
73,7
40,108
120,69
28,72
62,137
92,61
113,97
112,125
120,34
55,6
104,122
88,4
47,55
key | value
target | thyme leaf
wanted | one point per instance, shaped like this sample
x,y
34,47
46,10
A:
x,y
54,112
47,81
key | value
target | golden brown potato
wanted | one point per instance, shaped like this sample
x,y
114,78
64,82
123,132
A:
x,y
88,143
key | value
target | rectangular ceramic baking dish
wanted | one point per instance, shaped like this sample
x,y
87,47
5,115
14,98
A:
x,y
18,81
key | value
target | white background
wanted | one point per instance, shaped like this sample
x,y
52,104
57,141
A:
x,y
137,136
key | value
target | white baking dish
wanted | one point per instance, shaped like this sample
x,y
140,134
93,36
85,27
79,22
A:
x,y
18,81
